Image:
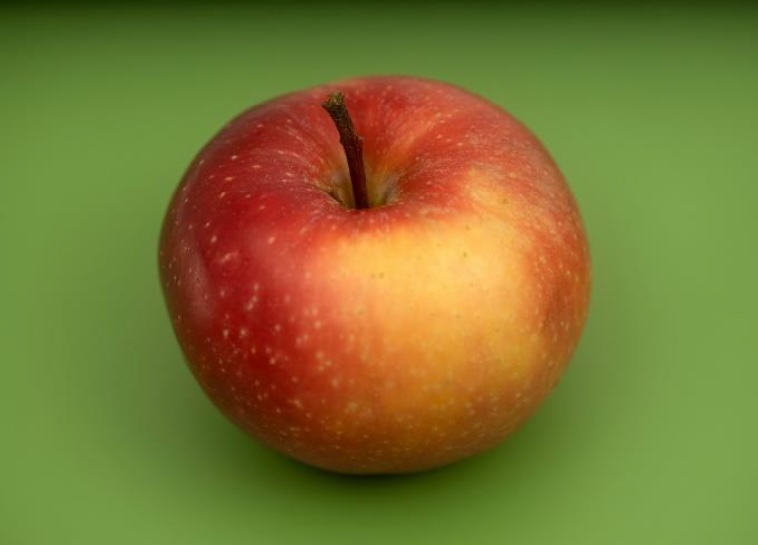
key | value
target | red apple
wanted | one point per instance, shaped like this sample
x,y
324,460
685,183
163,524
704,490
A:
x,y
394,338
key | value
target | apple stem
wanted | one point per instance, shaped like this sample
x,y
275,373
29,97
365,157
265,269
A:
x,y
352,144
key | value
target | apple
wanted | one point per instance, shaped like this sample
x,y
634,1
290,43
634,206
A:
x,y
382,283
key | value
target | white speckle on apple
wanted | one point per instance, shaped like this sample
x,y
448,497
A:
x,y
336,382
229,179
243,332
228,257
294,379
296,402
222,195
234,157
213,239
271,239
250,305
317,324
225,333
255,166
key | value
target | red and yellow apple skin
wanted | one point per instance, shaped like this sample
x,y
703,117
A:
x,y
392,339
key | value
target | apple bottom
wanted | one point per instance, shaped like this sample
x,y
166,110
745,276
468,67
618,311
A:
x,y
355,445
367,421
357,366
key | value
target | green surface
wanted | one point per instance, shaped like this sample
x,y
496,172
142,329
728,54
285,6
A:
x,y
651,436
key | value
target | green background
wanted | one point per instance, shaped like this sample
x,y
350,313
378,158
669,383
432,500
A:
x,y
651,436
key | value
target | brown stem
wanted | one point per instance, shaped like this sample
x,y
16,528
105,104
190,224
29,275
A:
x,y
352,144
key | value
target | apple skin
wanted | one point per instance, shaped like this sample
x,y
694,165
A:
x,y
393,339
